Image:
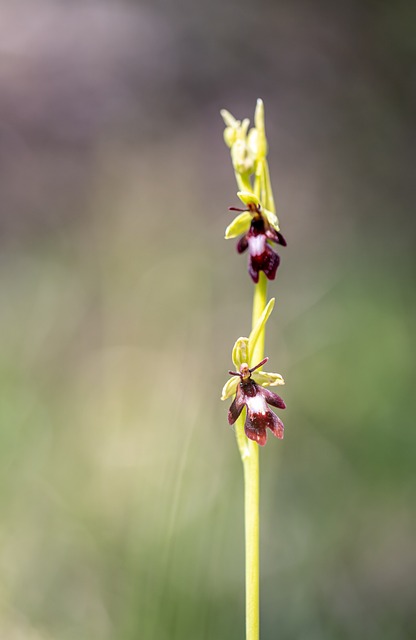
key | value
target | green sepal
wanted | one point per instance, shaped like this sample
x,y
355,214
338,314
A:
x,y
271,219
266,379
260,324
240,225
240,352
247,198
229,388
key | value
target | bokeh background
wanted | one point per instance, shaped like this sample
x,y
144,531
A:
x,y
121,488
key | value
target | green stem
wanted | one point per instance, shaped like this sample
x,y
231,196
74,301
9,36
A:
x,y
252,529
259,303
243,181
249,450
252,491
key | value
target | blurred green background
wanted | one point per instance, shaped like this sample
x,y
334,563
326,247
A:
x,y
121,511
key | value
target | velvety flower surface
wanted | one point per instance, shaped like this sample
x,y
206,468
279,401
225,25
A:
x,y
256,399
261,255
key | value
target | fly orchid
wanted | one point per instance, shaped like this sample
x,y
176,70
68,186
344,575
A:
x,y
256,398
250,390
259,227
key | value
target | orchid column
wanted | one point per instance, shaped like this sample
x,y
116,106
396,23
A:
x,y
258,226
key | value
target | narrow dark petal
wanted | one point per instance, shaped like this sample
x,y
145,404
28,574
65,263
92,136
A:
x,y
260,364
282,241
236,406
276,426
275,236
271,398
272,235
242,244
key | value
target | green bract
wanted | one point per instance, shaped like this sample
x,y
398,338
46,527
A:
x,y
259,327
261,141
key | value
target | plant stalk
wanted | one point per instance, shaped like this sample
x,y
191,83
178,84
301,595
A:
x,y
249,450
252,492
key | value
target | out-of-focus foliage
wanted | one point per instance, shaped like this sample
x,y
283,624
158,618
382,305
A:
x,y
120,495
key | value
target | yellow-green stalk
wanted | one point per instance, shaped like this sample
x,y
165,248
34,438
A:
x,y
248,153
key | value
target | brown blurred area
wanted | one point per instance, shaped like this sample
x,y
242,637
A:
x,y
121,497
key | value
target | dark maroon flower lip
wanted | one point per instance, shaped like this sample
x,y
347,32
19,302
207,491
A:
x,y
261,255
256,399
